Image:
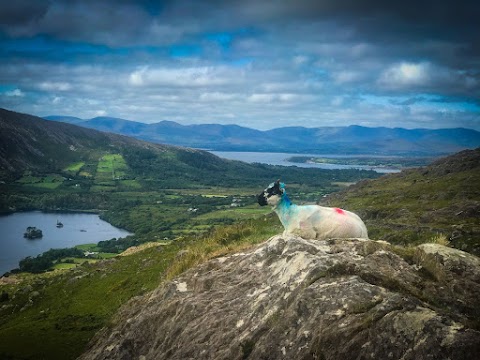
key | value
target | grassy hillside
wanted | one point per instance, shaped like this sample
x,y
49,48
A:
x,y
416,205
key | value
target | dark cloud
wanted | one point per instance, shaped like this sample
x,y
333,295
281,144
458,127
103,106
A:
x,y
449,19
21,12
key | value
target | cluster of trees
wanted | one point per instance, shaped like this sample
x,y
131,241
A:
x,y
46,260
13,200
118,245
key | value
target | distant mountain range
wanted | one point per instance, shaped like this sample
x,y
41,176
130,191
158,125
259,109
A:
x,y
322,140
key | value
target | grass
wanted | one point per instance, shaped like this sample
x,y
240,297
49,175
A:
x,y
223,241
48,182
134,184
415,206
66,314
74,167
440,239
88,247
235,213
85,174
64,266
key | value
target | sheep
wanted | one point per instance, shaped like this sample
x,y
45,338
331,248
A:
x,y
311,221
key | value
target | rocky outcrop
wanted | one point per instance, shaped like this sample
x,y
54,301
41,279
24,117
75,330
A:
x,y
292,298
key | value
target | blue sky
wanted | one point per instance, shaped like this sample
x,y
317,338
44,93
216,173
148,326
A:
x,y
261,64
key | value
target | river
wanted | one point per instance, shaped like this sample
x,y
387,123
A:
x,y
78,228
281,159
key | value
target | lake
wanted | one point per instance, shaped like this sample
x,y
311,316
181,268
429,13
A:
x,y
78,228
281,159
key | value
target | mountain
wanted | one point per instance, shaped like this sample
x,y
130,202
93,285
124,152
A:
x,y
31,143
332,140
118,126
292,298
65,119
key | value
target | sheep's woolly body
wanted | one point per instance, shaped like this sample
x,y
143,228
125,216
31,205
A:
x,y
318,222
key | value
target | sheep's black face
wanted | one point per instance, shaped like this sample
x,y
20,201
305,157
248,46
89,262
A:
x,y
271,190
262,200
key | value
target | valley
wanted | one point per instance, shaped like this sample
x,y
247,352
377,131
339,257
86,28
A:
x,y
157,192
184,207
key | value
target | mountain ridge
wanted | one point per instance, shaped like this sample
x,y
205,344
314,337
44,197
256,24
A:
x,y
353,139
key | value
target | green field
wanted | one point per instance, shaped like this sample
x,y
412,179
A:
x,y
111,166
74,168
48,182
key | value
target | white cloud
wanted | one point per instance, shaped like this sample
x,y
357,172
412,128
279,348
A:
x,y
182,77
300,60
347,76
425,76
15,93
217,96
54,86
337,101
263,98
406,74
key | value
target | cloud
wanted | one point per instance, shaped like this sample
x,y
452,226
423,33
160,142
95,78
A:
x,y
346,76
100,113
15,93
54,86
406,74
202,76
260,64
427,76
22,13
217,96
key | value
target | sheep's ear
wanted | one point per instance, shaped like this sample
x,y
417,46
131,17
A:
x,y
277,183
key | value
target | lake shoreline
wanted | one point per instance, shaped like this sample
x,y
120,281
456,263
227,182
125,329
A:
x,y
283,159
79,228
68,211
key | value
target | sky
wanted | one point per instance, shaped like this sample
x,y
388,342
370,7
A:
x,y
260,64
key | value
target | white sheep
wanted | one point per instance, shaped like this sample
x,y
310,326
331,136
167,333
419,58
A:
x,y
311,221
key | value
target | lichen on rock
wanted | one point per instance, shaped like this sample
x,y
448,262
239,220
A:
x,y
292,298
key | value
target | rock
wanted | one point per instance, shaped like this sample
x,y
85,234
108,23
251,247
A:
x,y
292,298
447,264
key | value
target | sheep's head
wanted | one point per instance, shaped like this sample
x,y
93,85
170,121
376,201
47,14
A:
x,y
272,195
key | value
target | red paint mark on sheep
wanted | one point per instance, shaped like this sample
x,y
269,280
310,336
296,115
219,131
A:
x,y
340,211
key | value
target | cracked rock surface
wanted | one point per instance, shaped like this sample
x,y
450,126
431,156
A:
x,y
292,298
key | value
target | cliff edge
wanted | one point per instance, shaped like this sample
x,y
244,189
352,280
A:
x,y
292,298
